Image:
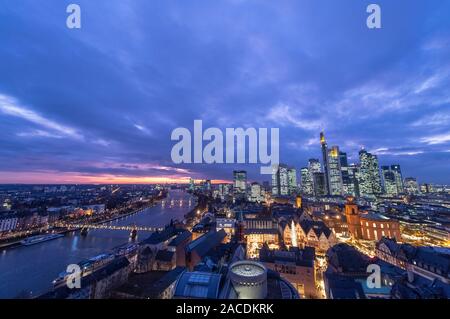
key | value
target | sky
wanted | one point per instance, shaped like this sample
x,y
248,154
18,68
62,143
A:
x,y
98,104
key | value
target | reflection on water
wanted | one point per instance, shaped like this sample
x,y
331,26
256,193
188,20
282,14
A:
x,y
32,268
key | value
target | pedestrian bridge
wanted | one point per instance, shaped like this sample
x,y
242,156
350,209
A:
x,y
110,227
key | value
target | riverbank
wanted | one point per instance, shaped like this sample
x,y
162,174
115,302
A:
x,y
63,230
29,271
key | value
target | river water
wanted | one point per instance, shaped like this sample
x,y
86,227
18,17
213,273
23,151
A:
x,y
32,269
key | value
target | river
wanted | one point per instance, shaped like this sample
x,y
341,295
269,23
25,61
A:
x,y
32,269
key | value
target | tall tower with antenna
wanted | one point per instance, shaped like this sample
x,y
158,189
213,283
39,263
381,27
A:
x,y
324,145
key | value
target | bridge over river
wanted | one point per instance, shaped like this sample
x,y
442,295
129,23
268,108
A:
x,y
31,269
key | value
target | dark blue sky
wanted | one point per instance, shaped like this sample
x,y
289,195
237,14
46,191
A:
x,y
100,103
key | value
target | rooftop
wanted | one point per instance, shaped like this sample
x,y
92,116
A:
x,y
198,285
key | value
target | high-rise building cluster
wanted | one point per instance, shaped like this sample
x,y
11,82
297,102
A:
x,y
335,176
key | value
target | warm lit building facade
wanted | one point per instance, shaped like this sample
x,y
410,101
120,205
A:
x,y
259,231
369,226
296,266
307,233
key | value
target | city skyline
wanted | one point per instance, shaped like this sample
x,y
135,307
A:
x,y
87,109
296,174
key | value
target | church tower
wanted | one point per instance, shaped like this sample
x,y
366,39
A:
x,y
352,216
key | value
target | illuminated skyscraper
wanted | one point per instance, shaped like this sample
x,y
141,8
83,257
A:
x,y
314,166
411,186
351,184
240,182
334,177
370,181
256,193
307,184
398,178
292,181
392,179
319,182
349,179
390,187
280,180
225,190
426,188
324,145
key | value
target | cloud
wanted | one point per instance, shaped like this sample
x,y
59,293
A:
x,y
385,94
431,82
436,139
437,43
9,106
38,133
439,119
283,114
142,129
396,151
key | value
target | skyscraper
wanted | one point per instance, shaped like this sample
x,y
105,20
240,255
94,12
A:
x,y
343,159
411,186
398,178
351,185
292,181
256,194
370,183
334,177
349,179
319,182
324,145
224,190
314,165
390,186
280,180
240,182
426,188
392,179
306,179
